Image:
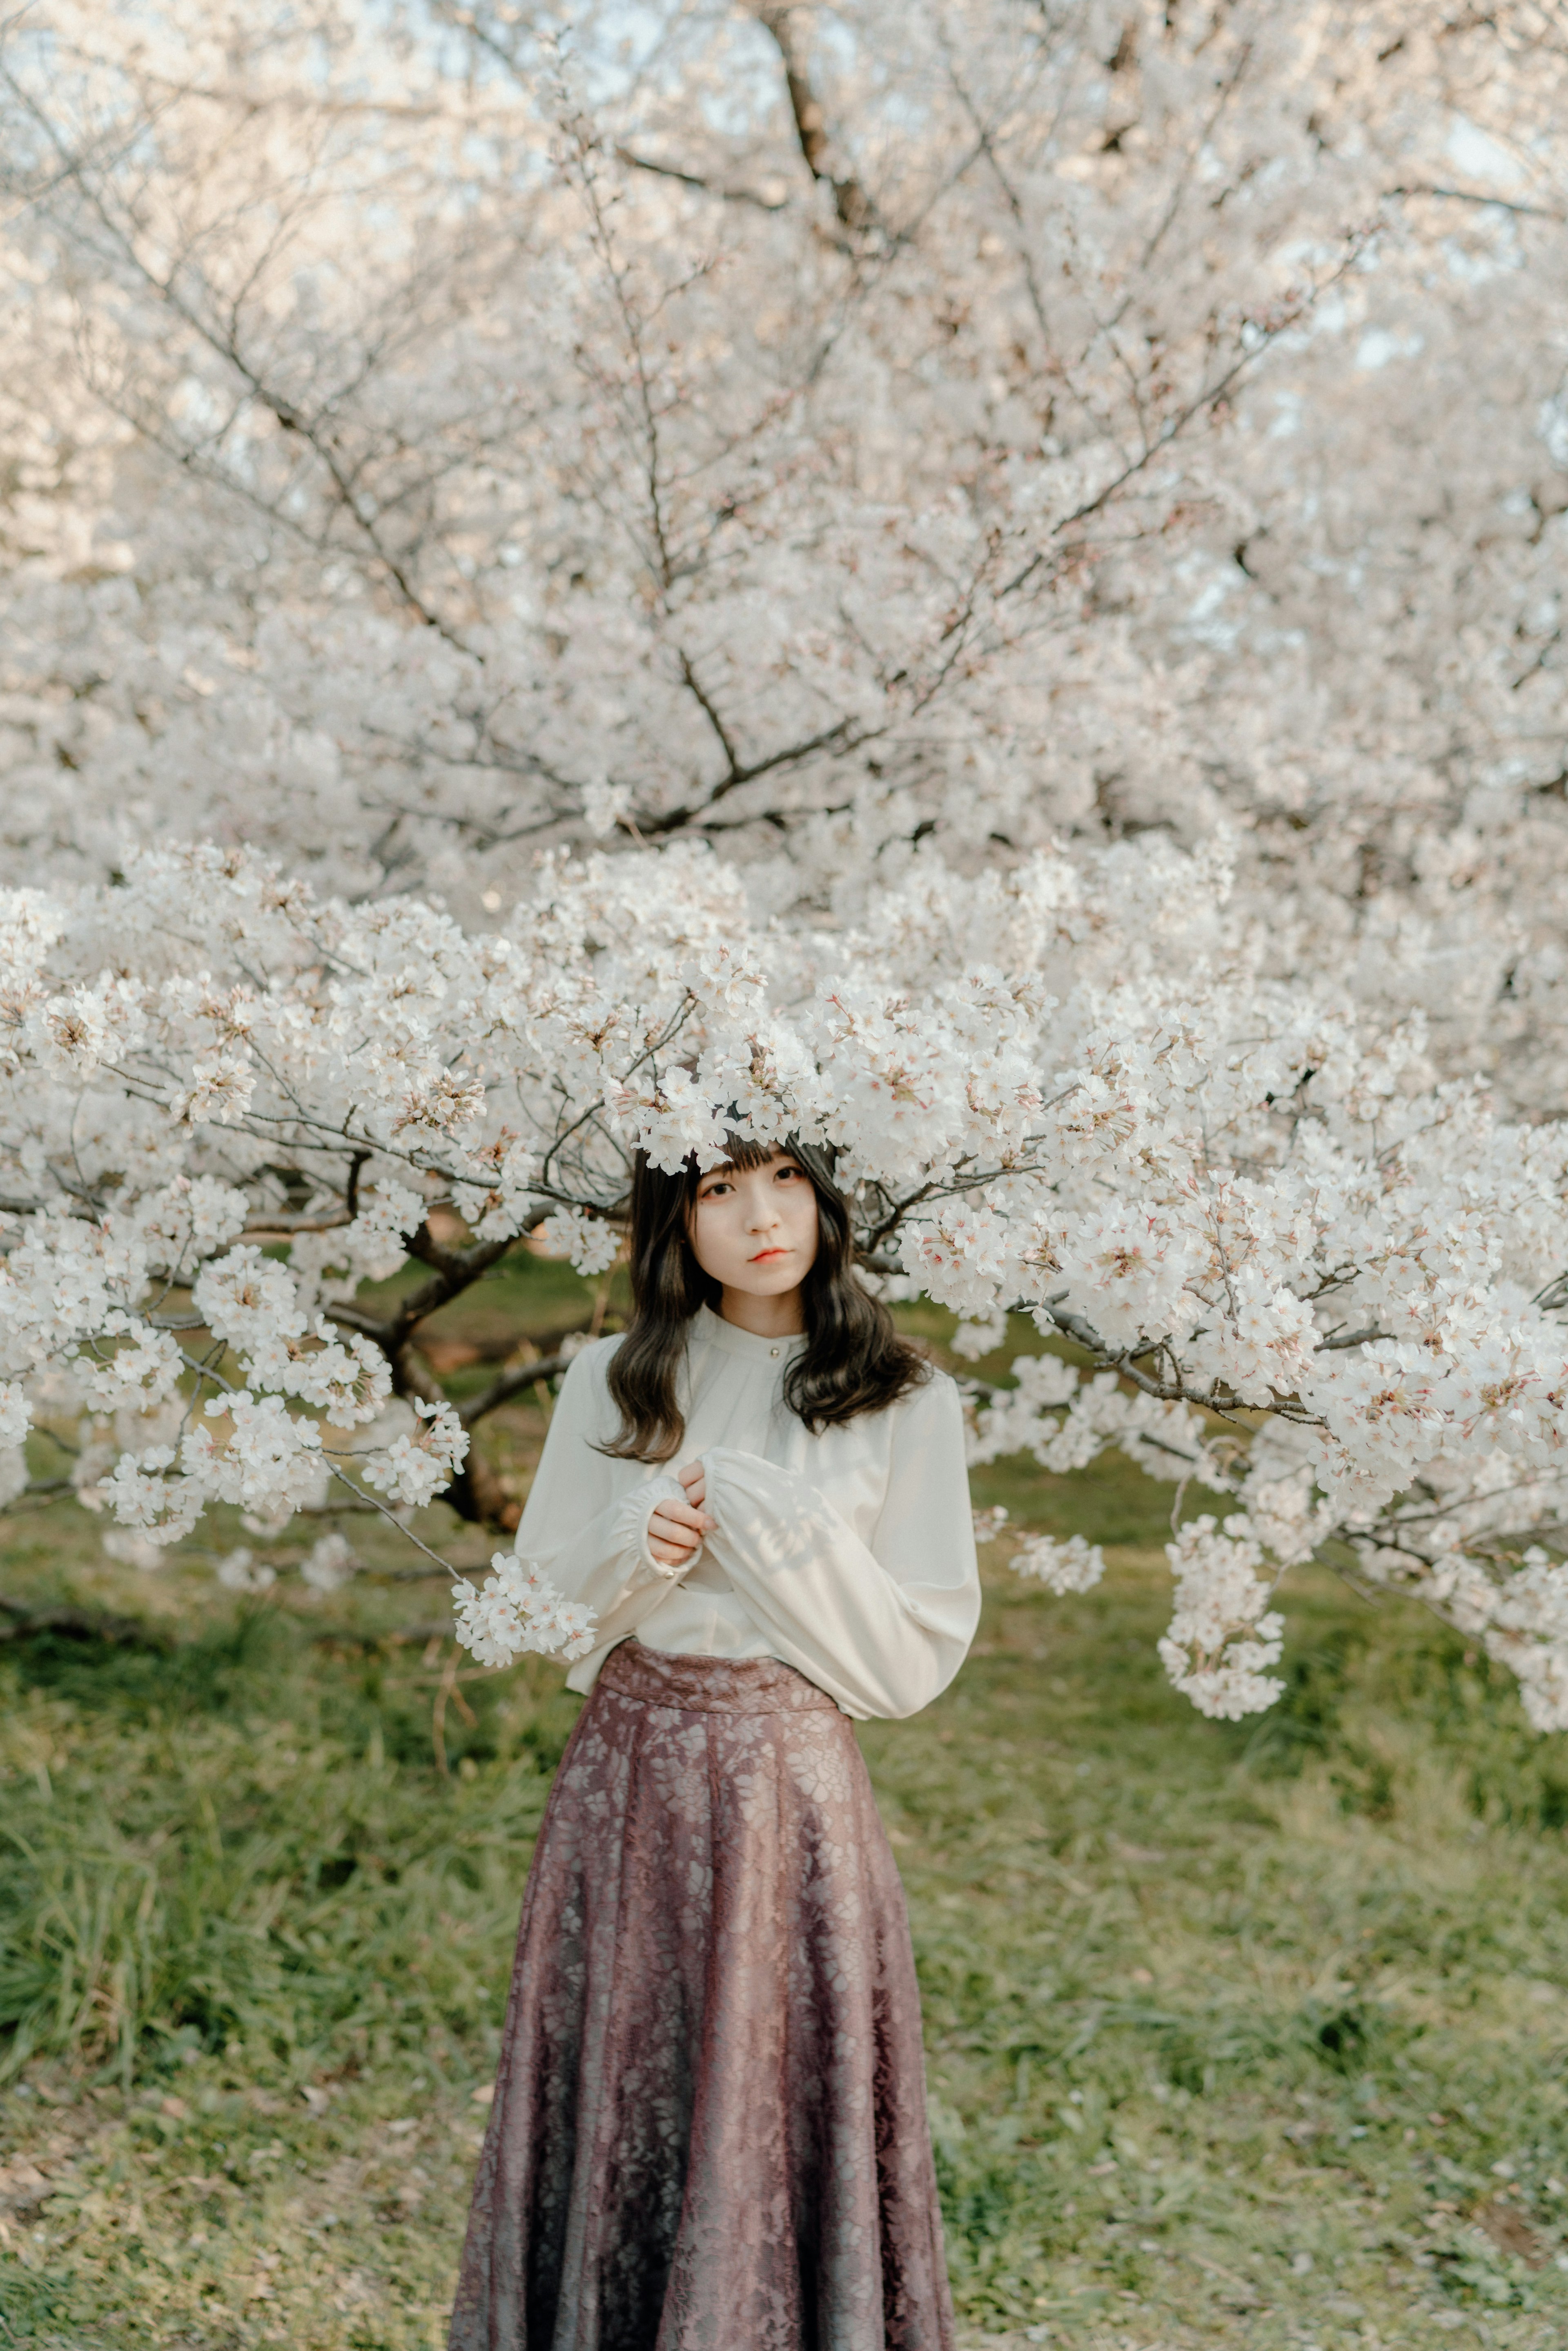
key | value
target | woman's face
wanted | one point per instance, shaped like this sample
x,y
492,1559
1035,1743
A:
x,y
756,1231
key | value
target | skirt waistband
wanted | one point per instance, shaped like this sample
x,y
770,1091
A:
x,y
710,1685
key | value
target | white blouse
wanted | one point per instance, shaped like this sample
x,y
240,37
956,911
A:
x,y
850,1554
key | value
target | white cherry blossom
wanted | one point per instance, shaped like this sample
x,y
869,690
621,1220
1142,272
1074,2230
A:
x,y
1062,1566
519,1609
1223,1636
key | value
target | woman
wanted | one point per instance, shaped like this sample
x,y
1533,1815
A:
x,y
709,2130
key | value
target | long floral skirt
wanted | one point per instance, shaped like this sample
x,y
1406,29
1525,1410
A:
x,y
709,2128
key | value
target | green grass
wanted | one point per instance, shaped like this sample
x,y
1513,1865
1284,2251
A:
x,y
1239,2035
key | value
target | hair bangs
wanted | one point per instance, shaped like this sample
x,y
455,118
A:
x,y
741,1155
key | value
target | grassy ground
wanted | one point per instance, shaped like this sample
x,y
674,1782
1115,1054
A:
x,y
1251,2035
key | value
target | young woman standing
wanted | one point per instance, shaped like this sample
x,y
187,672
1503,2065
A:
x,y
709,2129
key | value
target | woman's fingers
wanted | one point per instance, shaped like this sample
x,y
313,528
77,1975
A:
x,y
676,1529
662,1528
672,1544
676,1532
693,1479
684,1514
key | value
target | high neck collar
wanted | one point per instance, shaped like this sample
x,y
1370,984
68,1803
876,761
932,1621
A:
x,y
717,1333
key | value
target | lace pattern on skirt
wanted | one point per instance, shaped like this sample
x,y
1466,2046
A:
x,y
709,2126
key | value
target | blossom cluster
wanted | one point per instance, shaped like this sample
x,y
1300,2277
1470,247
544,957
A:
x,y
1223,1636
1062,1566
519,1610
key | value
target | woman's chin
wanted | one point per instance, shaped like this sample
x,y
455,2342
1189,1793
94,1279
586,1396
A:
x,y
769,1281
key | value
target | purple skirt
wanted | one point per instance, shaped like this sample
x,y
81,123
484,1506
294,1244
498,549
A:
x,y
709,2126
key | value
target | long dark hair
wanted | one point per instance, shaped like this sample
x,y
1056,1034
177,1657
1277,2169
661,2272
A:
x,y
854,1360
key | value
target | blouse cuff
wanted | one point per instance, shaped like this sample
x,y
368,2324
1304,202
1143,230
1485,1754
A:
x,y
641,1505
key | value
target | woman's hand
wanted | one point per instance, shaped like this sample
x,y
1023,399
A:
x,y
693,1477
676,1529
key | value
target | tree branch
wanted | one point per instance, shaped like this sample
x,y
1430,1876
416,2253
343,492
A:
x,y
1469,196
706,187
511,1384
851,200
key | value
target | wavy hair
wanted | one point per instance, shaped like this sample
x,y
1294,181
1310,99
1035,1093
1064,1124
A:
x,y
854,1359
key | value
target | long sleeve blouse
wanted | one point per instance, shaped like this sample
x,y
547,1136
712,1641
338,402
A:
x,y
849,1554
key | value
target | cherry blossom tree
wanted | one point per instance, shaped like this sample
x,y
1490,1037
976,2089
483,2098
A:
x,y
819,431
1003,557
1314,1278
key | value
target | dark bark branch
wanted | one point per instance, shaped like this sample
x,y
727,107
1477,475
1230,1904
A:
x,y
704,187
844,737
705,704
1124,1360
374,1327
452,1272
476,1492
1469,196
511,1384
851,200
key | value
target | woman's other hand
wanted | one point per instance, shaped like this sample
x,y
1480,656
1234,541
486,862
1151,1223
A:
x,y
676,1529
693,1477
